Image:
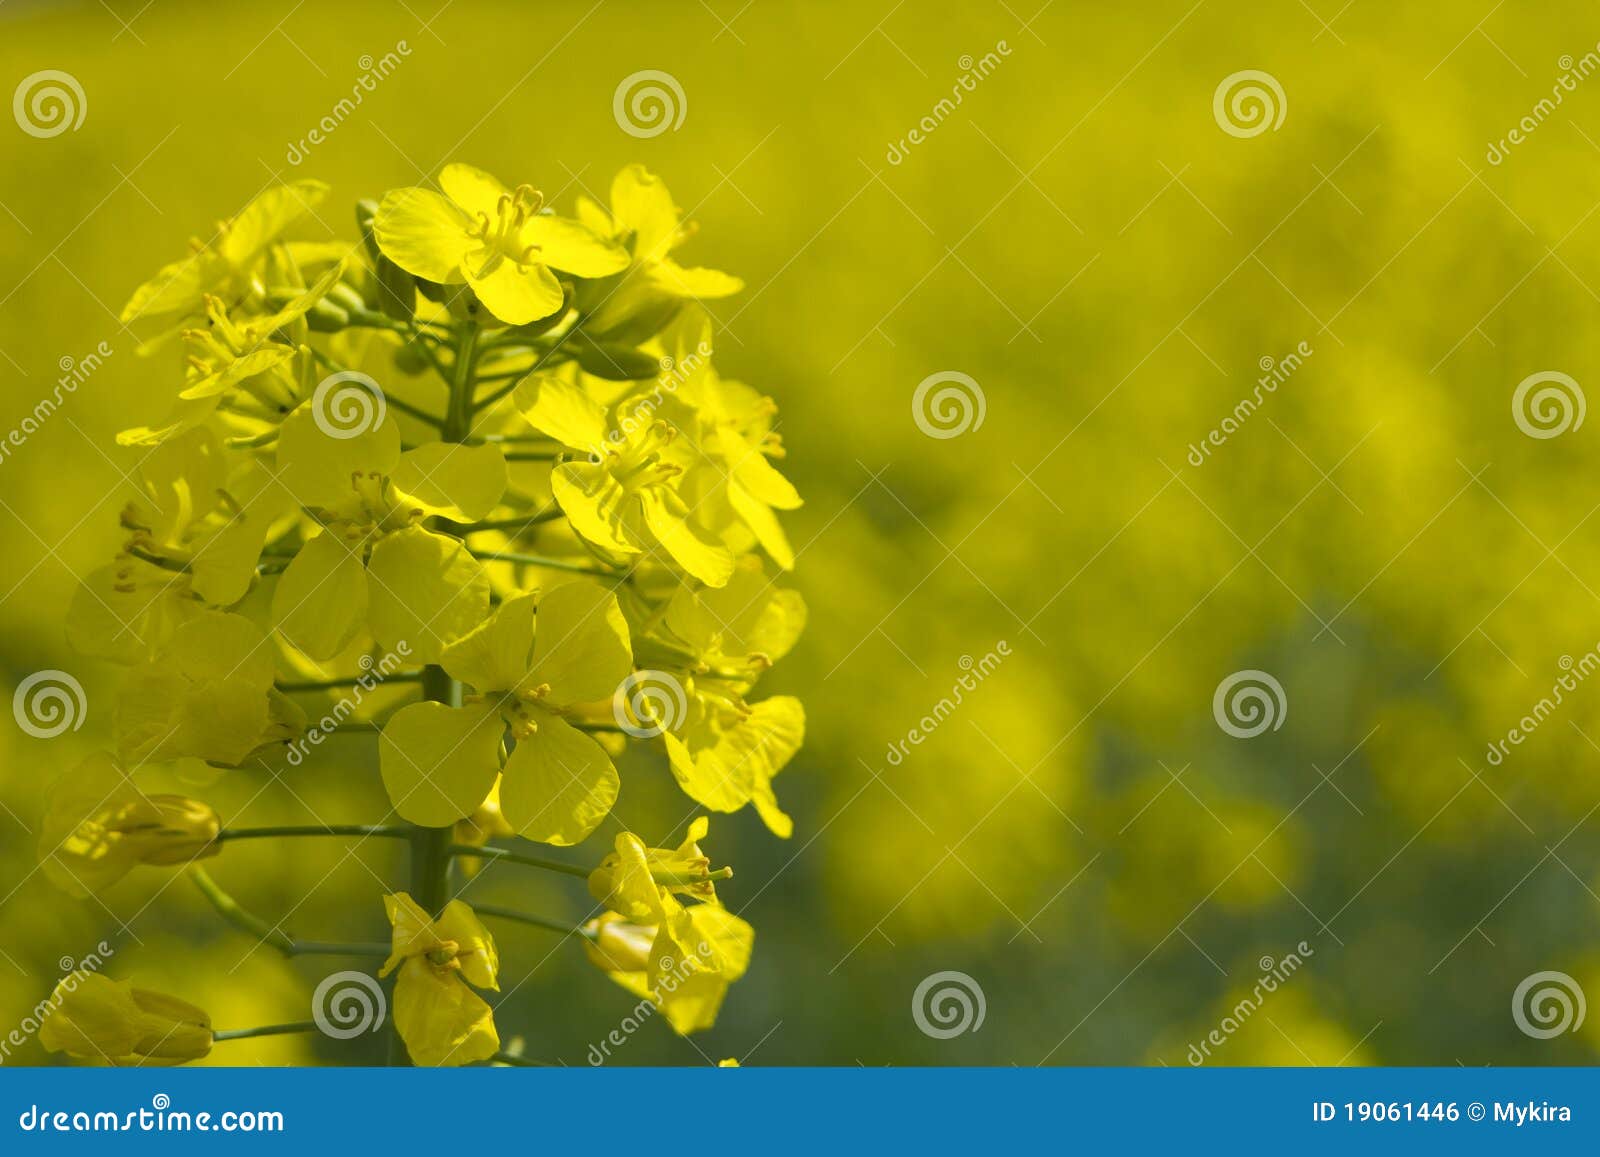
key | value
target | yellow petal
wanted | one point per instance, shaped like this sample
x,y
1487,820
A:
x,y
438,763
698,283
564,410
425,590
176,288
463,483
494,656
321,598
265,218
641,202
769,532
581,648
476,951
414,933
693,550
442,1021
516,294
473,189
317,467
568,245
594,502
558,784
423,233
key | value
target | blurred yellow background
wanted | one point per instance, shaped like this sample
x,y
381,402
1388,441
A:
x,y
1083,239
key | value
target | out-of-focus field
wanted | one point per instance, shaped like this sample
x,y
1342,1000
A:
x,y
1078,235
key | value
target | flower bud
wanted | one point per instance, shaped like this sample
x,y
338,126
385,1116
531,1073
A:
x,y
186,830
99,826
93,1017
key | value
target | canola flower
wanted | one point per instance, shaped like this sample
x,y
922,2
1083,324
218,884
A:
x,y
489,438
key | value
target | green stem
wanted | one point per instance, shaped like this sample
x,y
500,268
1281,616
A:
x,y
231,911
541,560
510,857
530,919
223,1034
430,856
521,522
270,833
534,455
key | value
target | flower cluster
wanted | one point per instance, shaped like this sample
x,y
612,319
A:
x,y
491,439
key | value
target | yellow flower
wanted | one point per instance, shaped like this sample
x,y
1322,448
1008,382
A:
x,y
630,877
644,215
683,967
194,537
681,958
530,670
99,826
494,239
208,694
731,426
373,565
93,1017
441,1020
724,750
626,496
230,265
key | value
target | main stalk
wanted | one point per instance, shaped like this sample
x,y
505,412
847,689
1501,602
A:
x,y
430,847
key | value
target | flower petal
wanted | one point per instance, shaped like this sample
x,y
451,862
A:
x,y
581,647
473,189
423,233
564,410
321,598
438,763
442,1021
463,483
668,519
516,294
426,590
568,245
558,784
